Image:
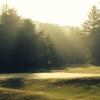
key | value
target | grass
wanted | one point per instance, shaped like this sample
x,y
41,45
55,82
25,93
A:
x,y
51,89
83,69
14,94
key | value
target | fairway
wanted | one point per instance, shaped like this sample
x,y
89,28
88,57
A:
x,y
50,89
66,84
48,75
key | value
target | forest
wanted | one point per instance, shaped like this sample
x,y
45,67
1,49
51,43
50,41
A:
x,y
27,45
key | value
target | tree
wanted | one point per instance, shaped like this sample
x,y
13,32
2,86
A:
x,y
25,50
92,27
9,23
95,46
67,44
93,21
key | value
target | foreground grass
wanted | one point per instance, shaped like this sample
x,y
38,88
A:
x,y
51,89
14,94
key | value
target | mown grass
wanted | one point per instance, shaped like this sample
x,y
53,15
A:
x,y
51,89
82,69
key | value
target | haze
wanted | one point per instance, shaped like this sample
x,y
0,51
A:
x,y
63,12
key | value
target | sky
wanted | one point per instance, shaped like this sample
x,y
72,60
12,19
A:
x,y
62,12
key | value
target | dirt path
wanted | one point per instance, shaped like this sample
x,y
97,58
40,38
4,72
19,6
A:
x,y
52,75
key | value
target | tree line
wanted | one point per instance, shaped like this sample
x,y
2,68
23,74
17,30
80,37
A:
x,y
27,45
91,27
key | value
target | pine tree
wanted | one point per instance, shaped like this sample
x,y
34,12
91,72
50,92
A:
x,y
93,21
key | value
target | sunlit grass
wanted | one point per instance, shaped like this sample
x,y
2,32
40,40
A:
x,y
83,69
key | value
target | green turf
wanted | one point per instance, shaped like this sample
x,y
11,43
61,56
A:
x,y
51,89
82,69
12,94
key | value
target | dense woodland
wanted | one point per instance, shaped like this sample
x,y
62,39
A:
x,y
27,45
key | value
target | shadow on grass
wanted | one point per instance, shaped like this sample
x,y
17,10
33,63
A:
x,y
12,94
12,83
83,82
